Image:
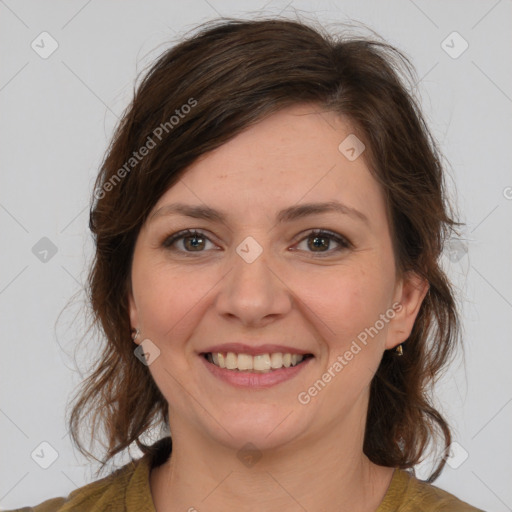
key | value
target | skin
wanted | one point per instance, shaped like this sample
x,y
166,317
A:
x,y
315,299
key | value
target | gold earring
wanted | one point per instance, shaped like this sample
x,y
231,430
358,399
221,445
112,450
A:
x,y
135,334
399,350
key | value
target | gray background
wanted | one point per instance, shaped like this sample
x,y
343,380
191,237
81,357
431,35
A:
x,y
58,114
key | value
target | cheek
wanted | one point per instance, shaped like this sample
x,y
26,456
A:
x,y
347,300
355,334
169,299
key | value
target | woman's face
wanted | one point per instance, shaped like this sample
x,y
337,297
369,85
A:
x,y
256,282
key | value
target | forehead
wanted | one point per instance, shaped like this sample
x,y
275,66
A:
x,y
297,155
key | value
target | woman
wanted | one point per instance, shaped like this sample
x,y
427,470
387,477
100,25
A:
x,y
268,223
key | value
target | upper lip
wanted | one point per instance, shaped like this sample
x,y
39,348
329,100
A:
x,y
254,350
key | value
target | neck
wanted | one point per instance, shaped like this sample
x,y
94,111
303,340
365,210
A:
x,y
317,474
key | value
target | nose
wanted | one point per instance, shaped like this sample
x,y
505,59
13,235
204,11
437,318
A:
x,y
253,292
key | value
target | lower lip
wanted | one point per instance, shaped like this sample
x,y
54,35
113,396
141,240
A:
x,y
255,380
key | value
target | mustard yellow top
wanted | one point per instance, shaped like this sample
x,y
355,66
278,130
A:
x,y
128,490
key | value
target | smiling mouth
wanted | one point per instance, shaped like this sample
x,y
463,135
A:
x,y
261,363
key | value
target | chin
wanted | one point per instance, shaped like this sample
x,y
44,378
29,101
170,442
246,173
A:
x,y
267,427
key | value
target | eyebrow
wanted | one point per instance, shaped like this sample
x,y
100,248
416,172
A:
x,y
287,215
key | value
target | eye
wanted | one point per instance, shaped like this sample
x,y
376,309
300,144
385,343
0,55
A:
x,y
192,241
321,240
196,241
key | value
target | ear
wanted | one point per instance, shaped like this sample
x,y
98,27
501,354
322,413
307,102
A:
x,y
132,307
410,292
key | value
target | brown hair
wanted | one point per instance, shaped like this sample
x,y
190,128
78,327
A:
x,y
198,95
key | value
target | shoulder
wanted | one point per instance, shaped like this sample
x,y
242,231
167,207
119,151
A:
x,y
110,493
411,494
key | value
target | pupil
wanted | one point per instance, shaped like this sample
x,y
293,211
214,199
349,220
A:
x,y
316,241
195,240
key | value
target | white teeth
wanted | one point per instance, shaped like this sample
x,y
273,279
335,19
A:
x,y
245,362
276,360
260,363
231,361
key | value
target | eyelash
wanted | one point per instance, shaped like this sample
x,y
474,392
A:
x,y
342,241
